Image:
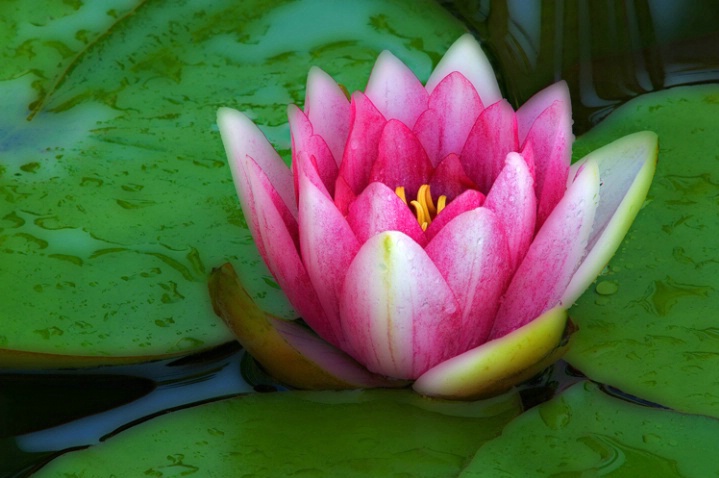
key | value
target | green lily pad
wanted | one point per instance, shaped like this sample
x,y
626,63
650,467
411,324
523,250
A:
x,y
649,325
115,197
584,432
357,433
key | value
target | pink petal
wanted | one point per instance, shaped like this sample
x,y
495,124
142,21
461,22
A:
x,y
379,209
468,200
553,257
344,196
328,246
398,313
243,138
493,136
366,127
401,160
304,140
467,57
328,109
512,199
453,108
472,255
528,113
550,137
395,90
449,179
278,246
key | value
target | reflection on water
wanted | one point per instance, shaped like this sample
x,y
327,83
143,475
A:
x,y
48,412
608,51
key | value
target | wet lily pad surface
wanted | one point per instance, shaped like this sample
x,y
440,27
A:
x,y
649,325
584,432
115,196
357,433
115,203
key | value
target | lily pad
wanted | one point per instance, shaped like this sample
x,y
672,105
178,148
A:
x,y
584,432
357,433
649,325
115,198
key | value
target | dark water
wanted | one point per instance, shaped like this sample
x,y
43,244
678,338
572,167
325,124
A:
x,y
607,51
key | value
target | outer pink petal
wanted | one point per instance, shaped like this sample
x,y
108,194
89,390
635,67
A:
x,y
360,152
550,137
379,209
328,246
493,136
626,168
401,160
512,199
328,109
304,140
279,249
243,138
453,108
472,255
553,257
468,200
395,90
449,179
467,57
398,313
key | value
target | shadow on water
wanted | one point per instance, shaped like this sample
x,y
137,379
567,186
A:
x,y
43,413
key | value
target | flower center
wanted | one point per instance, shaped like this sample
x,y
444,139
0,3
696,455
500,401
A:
x,y
424,208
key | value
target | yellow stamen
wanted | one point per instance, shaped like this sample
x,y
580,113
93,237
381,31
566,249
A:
x,y
424,207
399,191
441,203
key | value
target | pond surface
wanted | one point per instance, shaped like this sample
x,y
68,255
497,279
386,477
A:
x,y
112,116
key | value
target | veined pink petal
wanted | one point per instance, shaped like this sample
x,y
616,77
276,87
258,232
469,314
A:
x,y
398,314
553,257
379,209
468,200
395,90
467,57
328,246
449,179
471,253
328,109
493,136
528,113
366,127
454,106
401,160
279,249
243,138
512,199
304,140
550,137
626,168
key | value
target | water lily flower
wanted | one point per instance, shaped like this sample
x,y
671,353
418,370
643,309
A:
x,y
427,233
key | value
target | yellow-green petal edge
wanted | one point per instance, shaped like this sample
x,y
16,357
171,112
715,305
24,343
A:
x,y
498,365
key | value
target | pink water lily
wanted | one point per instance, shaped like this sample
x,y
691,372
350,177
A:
x,y
419,226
